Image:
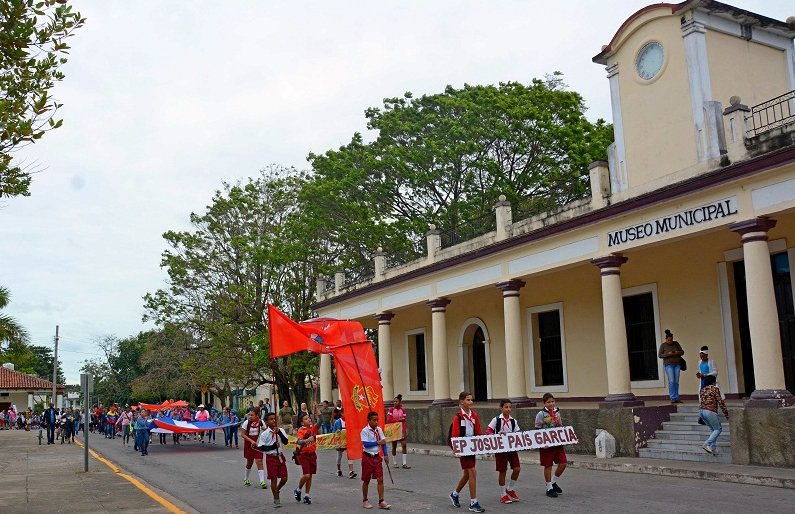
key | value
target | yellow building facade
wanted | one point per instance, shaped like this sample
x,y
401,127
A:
x,y
690,227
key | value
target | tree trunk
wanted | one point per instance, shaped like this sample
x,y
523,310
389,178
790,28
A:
x,y
299,390
284,393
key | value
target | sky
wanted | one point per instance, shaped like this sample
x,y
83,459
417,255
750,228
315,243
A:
x,y
166,101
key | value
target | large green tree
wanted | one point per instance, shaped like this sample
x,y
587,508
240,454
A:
x,y
244,252
450,155
33,50
341,208
446,158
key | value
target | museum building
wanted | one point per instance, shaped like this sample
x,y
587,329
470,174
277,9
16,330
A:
x,y
690,226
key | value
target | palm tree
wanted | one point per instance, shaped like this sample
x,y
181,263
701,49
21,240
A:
x,y
11,332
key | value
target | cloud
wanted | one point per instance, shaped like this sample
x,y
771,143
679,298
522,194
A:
x,y
45,307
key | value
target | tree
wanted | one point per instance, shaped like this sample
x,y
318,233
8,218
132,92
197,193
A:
x,y
42,363
449,156
446,158
32,50
15,347
166,365
11,332
119,367
341,210
104,390
239,257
